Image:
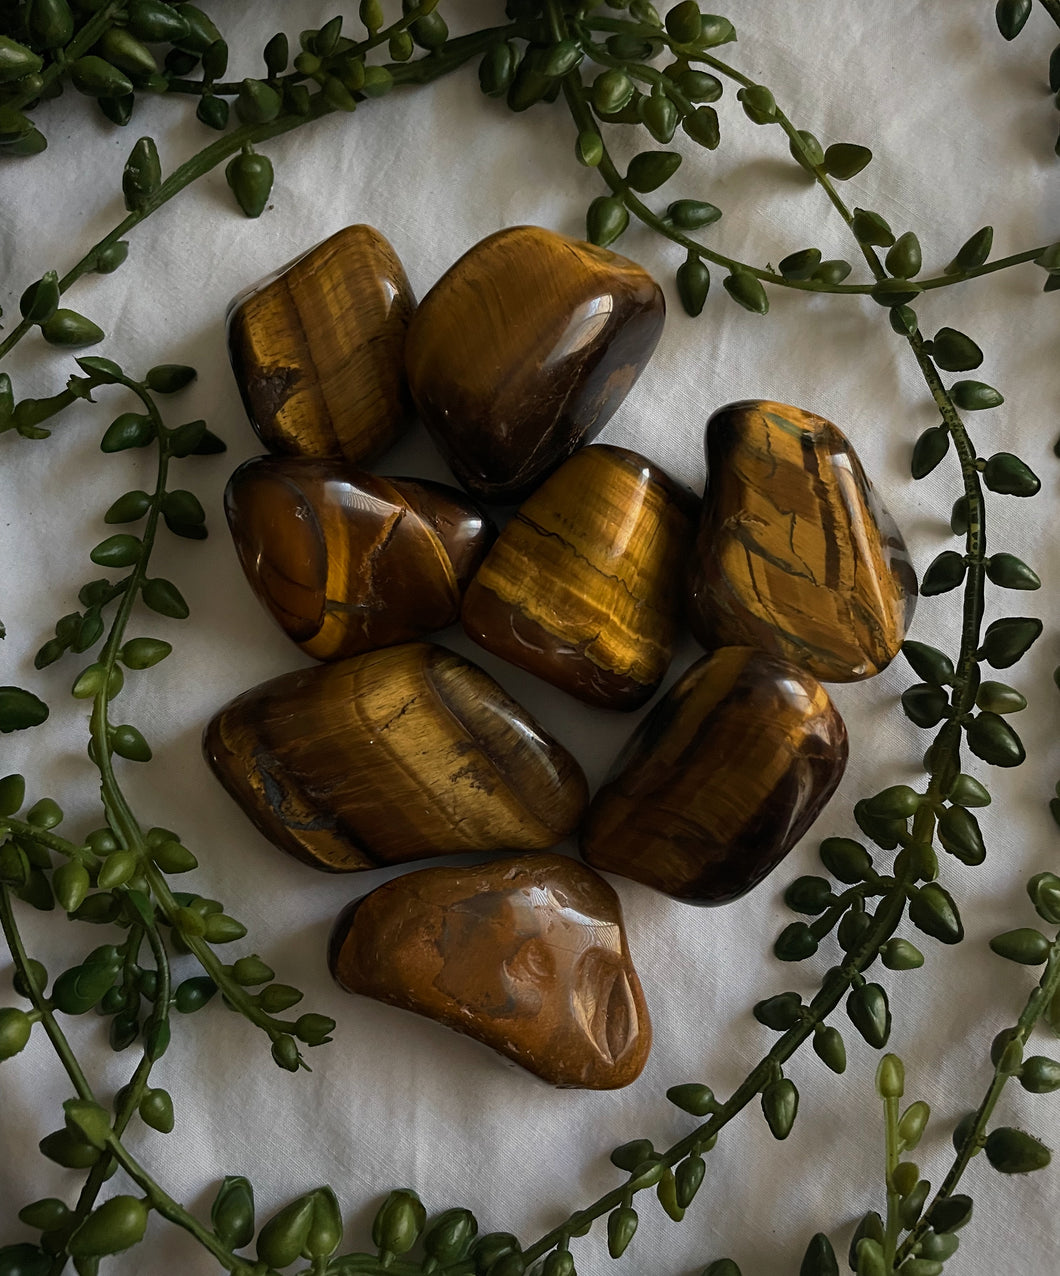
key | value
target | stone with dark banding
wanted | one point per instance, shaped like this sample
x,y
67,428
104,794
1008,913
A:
x,y
318,349
795,552
346,561
720,780
583,587
392,756
527,955
522,351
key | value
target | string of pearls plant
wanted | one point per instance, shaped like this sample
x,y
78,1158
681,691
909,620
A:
x,y
613,67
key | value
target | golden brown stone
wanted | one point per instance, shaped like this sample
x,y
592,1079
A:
x,y
526,955
583,587
795,553
345,561
720,780
523,350
318,349
392,756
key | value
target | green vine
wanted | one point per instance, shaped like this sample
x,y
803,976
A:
x,y
118,875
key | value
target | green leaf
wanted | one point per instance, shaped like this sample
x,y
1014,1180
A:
x,y
1007,640
41,299
1014,1152
747,291
71,330
844,160
165,598
975,396
693,283
20,709
870,228
606,219
650,169
120,550
973,252
819,1259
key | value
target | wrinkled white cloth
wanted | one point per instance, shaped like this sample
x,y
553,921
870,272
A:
x,y
962,128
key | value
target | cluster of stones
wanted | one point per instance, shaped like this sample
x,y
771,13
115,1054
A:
x,y
396,749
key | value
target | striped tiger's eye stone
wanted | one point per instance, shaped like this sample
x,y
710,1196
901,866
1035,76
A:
x,y
528,956
795,552
392,756
582,587
345,561
521,352
720,780
318,349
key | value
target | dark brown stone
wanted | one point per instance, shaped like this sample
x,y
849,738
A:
x,y
345,561
521,352
318,349
527,955
583,587
392,756
795,553
720,780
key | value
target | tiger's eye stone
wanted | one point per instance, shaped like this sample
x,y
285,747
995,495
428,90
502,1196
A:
x,y
345,561
392,756
720,780
582,587
528,956
795,552
523,350
318,349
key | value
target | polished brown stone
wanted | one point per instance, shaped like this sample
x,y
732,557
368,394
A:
x,y
583,587
527,955
318,349
720,780
795,553
392,756
521,352
345,561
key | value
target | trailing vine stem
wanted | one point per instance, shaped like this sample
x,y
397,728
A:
x,y
574,93
96,25
422,71
160,1199
1037,1003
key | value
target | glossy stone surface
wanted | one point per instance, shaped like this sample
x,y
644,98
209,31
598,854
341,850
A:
x,y
583,587
795,553
720,780
523,350
345,561
526,955
392,756
318,349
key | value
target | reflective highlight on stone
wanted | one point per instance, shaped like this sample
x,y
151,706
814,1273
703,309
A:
x,y
318,349
720,780
795,553
522,351
528,956
345,561
393,756
583,587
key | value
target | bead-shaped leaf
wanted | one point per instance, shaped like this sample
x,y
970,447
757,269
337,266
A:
x,y
844,160
1007,640
933,911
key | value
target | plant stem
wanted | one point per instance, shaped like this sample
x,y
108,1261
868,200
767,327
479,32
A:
x,y
1037,1004
96,25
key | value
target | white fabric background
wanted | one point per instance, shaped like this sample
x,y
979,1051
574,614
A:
x,y
962,128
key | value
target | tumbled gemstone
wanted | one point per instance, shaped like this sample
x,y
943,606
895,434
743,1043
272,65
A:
x,y
720,780
345,561
318,349
523,349
527,955
795,553
583,587
392,756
